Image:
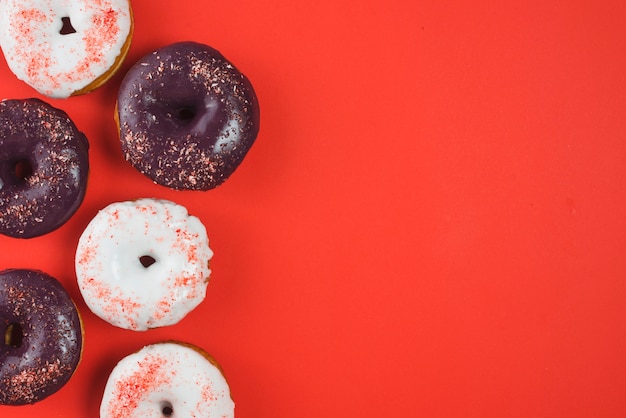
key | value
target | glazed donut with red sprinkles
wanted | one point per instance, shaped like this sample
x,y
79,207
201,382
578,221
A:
x,y
43,336
169,379
65,48
143,264
44,165
187,116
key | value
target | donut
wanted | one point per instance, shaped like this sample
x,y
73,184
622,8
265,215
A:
x,y
43,336
43,168
143,264
65,48
187,117
167,379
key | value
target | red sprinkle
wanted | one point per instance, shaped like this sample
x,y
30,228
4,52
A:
x,y
132,389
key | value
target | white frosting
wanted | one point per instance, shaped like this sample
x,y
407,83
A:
x,y
58,65
166,375
112,279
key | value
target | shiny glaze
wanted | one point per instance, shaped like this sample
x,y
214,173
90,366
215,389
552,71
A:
x,y
124,291
61,64
178,377
43,137
187,116
48,351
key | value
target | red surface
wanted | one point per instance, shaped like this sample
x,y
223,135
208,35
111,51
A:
x,y
431,223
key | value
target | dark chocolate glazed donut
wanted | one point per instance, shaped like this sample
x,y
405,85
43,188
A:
x,y
187,116
43,168
42,336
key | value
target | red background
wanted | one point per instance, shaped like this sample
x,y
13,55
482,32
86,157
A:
x,y
432,221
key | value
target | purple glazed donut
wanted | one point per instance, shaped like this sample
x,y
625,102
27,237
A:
x,y
43,168
43,337
187,116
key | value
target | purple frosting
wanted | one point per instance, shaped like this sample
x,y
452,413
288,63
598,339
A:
x,y
187,116
43,168
42,336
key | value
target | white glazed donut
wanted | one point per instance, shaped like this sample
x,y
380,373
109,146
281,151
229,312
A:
x,y
143,264
60,65
167,379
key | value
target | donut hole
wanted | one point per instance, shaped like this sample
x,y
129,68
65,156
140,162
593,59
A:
x,y
147,260
186,113
166,409
66,27
22,169
13,335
